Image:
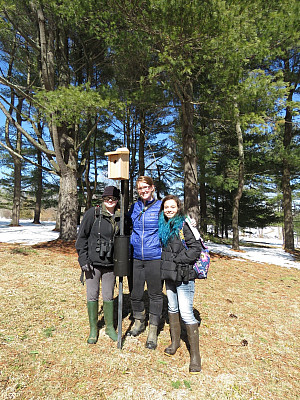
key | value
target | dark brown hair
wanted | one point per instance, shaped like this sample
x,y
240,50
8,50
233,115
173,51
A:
x,y
176,199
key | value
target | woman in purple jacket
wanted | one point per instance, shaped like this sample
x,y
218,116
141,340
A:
x,y
146,260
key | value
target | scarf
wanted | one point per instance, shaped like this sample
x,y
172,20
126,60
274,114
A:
x,y
168,229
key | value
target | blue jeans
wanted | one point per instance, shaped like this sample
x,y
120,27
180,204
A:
x,y
180,299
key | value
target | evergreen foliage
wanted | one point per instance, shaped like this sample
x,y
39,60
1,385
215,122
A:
x,y
170,80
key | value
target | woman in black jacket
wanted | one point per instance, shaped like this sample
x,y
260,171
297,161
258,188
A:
x,y
94,246
177,270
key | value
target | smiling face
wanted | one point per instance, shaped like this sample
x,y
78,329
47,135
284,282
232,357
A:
x,y
145,191
170,209
110,203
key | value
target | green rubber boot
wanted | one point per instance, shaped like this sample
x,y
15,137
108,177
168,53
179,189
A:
x,y
92,307
108,311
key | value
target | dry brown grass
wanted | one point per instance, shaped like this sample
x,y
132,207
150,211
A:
x,y
249,335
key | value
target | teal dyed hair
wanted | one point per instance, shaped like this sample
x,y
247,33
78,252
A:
x,y
167,229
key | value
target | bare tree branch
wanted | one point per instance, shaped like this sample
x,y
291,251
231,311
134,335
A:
x,y
27,159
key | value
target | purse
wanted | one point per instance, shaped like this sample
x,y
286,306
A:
x,y
202,264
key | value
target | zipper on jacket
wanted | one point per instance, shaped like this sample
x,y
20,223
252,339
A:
x,y
143,232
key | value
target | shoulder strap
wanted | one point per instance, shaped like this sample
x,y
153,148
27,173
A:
x,y
195,233
146,208
98,217
181,235
97,211
193,229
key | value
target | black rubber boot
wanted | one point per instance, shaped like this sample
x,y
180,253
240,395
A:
x,y
108,311
151,342
175,330
92,307
195,360
138,326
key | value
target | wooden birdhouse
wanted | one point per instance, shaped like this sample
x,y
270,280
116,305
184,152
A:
x,y
118,163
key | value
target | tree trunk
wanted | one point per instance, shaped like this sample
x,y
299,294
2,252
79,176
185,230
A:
x,y
142,145
68,199
189,153
89,191
286,186
17,193
39,190
217,215
239,192
68,205
57,220
17,171
203,206
158,183
46,47
130,140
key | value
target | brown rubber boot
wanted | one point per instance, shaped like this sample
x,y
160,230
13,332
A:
x,y
138,326
151,342
195,360
175,330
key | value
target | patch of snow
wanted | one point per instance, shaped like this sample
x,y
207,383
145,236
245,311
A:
x,y
269,248
268,255
27,233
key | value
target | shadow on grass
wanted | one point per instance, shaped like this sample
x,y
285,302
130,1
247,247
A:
x,y
127,313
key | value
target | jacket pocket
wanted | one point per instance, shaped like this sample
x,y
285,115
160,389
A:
x,y
168,271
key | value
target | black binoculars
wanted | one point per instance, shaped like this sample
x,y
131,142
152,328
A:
x,y
104,248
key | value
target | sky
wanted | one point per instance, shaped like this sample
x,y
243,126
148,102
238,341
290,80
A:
x,y
271,253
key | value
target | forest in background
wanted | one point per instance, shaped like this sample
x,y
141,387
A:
x,y
202,93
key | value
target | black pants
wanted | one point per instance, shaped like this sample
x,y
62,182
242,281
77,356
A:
x,y
149,272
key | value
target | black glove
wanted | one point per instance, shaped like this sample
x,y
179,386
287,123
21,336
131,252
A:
x,y
86,268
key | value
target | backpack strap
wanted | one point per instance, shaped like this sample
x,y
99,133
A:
x,y
97,211
181,235
198,237
98,217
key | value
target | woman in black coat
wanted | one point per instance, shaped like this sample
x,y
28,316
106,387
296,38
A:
x,y
180,250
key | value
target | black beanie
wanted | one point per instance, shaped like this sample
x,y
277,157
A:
x,y
111,191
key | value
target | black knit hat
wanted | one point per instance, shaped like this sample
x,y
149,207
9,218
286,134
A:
x,y
111,191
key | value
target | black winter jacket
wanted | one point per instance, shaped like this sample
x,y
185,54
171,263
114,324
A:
x,y
176,256
93,248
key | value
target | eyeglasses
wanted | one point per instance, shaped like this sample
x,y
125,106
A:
x,y
109,198
144,188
